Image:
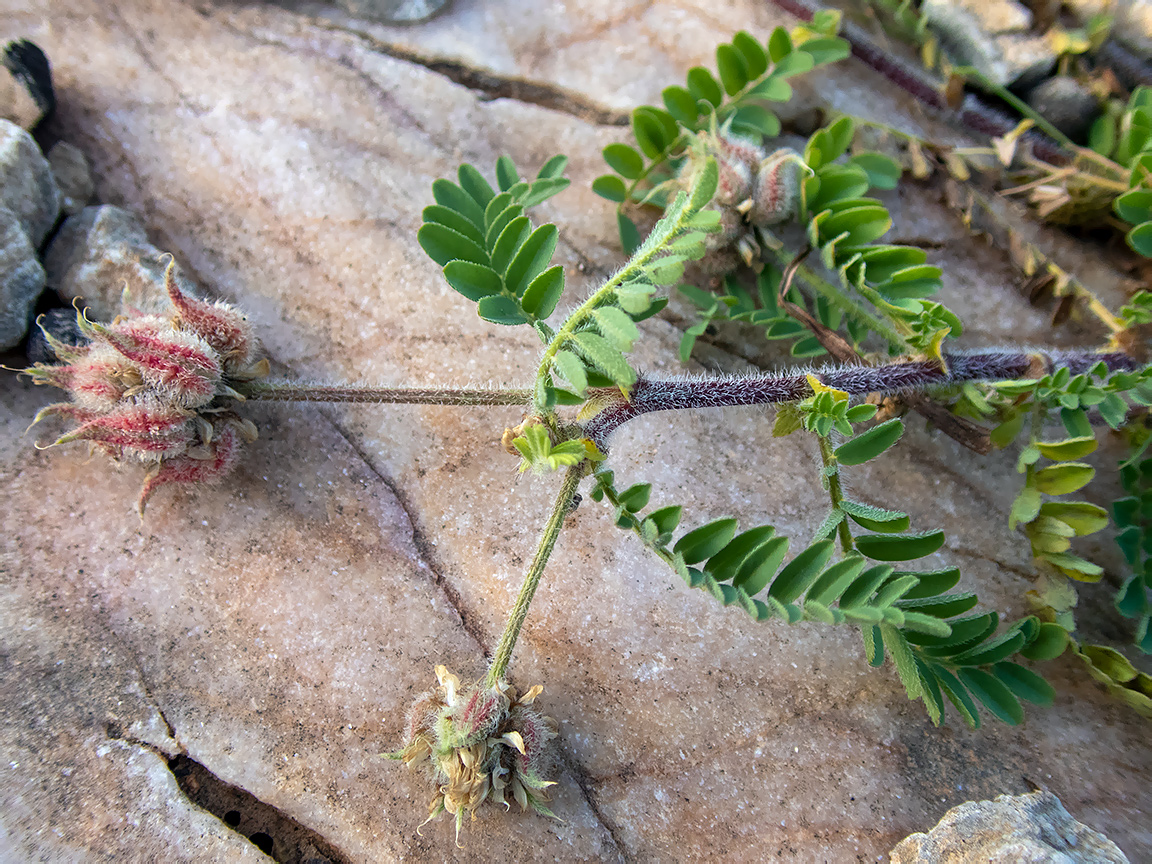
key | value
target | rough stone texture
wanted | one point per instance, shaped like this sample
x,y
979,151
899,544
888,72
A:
x,y
1131,20
393,11
994,16
283,619
992,37
102,255
1066,104
1013,829
27,187
21,279
73,177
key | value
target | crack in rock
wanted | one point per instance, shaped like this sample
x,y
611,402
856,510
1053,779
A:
x,y
489,84
273,832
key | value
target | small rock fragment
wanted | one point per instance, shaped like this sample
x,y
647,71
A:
x,y
61,325
73,177
99,252
992,37
1031,828
393,11
27,186
1066,104
21,280
26,94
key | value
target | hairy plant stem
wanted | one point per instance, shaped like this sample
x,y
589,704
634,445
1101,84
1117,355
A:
x,y
649,394
291,391
511,633
835,493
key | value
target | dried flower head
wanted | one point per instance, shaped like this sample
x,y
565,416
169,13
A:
x,y
158,389
480,744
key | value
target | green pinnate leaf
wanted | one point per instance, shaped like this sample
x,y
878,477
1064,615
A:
x,y
883,172
943,606
1063,478
868,445
635,497
543,292
605,357
703,86
682,105
704,542
826,50
905,661
473,182
835,580
501,310
799,574
630,239
753,53
861,224
553,168
442,245
993,695
875,518
921,622
616,326
531,258
508,243
772,89
572,368
779,45
506,174
903,547
864,586
610,187
966,632
474,281
993,651
666,518
733,74
449,218
448,194
725,564
624,160
761,565
873,645
1071,448
933,582
957,694
1024,683
795,63
1140,239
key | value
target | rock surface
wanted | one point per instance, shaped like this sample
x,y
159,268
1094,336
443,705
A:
x,y
102,256
27,187
21,279
281,621
73,177
1031,828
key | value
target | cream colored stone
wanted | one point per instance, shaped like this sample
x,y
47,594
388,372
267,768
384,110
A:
x,y
284,618
1031,828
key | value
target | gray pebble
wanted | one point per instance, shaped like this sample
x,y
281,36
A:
x,y
21,280
73,177
101,251
1066,104
27,186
